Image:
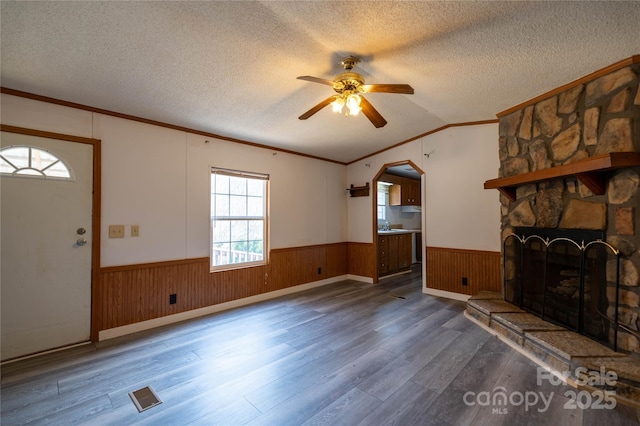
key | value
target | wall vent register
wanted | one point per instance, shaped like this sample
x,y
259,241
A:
x,y
144,398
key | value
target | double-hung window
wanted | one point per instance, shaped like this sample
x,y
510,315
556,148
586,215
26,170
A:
x,y
238,218
383,197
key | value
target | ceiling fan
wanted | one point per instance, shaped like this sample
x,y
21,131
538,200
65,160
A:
x,y
349,87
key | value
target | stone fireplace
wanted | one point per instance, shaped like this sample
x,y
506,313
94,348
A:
x,y
588,119
561,276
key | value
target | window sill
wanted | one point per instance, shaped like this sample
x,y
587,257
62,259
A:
x,y
236,266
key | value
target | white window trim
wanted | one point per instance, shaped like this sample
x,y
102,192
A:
x,y
266,228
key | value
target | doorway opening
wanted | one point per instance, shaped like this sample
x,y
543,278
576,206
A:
x,y
398,220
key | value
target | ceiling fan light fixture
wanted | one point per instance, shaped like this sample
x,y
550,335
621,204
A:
x,y
349,100
353,104
337,104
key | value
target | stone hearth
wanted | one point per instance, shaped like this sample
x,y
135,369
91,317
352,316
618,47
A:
x,y
557,348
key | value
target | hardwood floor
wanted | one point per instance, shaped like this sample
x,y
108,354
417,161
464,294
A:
x,y
345,354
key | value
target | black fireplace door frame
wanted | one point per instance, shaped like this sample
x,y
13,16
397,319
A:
x,y
527,284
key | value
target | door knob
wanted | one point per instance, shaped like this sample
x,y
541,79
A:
x,y
81,241
81,231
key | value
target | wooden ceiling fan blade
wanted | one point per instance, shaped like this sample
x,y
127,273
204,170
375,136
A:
x,y
372,114
316,80
317,108
403,89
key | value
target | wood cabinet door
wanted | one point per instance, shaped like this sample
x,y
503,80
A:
x,y
383,255
395,195
408,194
404,251
393,253
416,196
405,194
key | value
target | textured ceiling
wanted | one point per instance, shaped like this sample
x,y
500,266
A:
x,y
230,67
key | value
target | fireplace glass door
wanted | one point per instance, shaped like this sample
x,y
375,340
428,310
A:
x,y
562,284
568,277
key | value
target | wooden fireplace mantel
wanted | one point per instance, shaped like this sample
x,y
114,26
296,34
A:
x,y
588,171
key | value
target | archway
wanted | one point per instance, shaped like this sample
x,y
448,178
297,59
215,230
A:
x,y
398,220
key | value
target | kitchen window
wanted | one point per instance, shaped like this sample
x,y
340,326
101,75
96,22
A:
x,y
238,218
383,200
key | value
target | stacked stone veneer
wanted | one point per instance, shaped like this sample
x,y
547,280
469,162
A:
x,y
596,117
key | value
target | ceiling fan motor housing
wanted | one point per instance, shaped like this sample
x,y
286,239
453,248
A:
x,y
348,81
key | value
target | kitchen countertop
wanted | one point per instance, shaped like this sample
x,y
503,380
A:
x,y
399,231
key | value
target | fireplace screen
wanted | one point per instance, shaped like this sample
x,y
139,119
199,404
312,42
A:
x,y
569,277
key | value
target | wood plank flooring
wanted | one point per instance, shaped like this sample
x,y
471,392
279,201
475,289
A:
x,y
345,354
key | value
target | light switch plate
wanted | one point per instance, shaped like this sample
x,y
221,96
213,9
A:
x,y
116,231
135,230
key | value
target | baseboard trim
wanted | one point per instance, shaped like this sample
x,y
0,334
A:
x,y
447,294
183,316
360,278
45,352
384,277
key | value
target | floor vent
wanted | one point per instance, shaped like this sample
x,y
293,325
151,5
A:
x,y
396,296
144,398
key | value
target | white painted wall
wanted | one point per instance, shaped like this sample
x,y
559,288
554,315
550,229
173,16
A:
x,y
158,178
298,201
143,183
457,212
22,112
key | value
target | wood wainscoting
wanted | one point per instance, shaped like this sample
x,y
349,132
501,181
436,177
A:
x,y
361,259
446,268
134,293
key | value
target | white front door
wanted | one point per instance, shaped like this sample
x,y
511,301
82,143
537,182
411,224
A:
x,y
45,248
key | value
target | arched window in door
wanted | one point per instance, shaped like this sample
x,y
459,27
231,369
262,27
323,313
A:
x,y
28,161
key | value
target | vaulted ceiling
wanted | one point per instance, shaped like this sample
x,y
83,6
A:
x,y
230,67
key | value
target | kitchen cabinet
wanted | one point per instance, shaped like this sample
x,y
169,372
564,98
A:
x,y
405,193
404,251
383,254
394,253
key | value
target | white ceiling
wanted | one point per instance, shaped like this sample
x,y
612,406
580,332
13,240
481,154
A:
x,y
230,67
